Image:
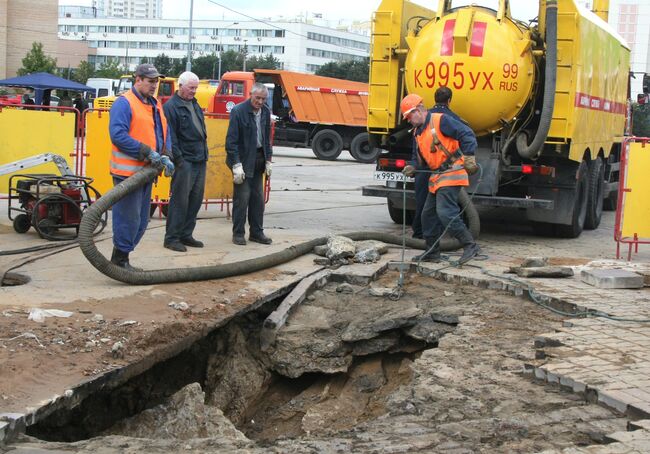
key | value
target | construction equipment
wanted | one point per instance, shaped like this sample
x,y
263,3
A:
x,y
324,113
49,203
547,101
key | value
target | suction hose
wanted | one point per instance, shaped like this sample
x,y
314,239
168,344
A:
x,y
532,151
92,216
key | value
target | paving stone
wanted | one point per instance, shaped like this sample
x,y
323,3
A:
x,y
612,279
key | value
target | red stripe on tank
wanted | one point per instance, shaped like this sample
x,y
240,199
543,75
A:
x,y
447,45
478,39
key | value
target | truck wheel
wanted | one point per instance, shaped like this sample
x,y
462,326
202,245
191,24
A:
x,y
611,201
580,196
397,214
361,150
596,186
327,144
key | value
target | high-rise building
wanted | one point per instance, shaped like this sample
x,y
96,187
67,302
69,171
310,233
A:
x,y
23,22
130,9
631,19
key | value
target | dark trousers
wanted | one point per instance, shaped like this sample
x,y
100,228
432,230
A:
x,y
131,217
441,209
421,191
187,188
248,199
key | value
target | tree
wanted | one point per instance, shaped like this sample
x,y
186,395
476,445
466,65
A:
x,y
267,61
83,72
231,61
111,69
641,120
348,69
178,66
163,64
203,66
36,61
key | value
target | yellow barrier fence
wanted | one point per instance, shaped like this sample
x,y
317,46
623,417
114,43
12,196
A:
x,y
633,210
218,185
26,133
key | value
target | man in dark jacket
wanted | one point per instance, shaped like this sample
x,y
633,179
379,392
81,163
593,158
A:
x,y
190,152
248,154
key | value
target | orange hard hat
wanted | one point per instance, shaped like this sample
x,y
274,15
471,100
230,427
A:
x,y
409,103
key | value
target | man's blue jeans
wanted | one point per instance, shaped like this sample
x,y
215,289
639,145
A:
x,y
188,184
441,209
130,217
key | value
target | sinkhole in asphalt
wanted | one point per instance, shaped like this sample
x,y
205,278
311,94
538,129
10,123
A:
x,y
347,361
332,357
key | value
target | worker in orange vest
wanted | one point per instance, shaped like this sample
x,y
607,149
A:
x,y
140,137
443,143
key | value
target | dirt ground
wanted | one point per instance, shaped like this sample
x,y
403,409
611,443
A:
x,y
470,394
71,350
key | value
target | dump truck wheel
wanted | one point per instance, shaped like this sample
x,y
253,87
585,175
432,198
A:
x,y
596,186
362,151
327,144
580,195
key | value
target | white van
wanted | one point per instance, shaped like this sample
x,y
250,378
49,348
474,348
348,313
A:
x,y
103,87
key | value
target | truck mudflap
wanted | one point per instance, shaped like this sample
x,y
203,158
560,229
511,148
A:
x,y
478,200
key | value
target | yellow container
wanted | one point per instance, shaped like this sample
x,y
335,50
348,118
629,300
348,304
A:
x,y
486,62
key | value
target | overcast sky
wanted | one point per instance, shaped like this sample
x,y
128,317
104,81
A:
x,y
333,10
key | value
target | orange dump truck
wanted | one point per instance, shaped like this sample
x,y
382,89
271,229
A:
x,y
326,114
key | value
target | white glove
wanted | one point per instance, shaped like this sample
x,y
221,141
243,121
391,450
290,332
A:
x,y
269,165
238,175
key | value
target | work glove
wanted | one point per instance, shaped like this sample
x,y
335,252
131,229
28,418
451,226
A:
x,y
269,166
470,165
408,171
150,155
168,164
238,175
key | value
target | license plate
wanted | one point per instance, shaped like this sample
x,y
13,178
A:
x,y
390,176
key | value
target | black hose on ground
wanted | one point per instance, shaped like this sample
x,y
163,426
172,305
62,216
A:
x,y
533,150
92,216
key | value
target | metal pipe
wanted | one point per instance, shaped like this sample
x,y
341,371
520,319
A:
x,y
188,65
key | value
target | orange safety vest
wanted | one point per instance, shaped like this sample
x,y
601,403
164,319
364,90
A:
x,y
143,130
454,175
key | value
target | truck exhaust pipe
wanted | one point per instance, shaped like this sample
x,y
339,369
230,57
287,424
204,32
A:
x,y
533,150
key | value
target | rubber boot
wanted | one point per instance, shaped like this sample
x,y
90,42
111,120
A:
x,y
470,248
121,259
430,255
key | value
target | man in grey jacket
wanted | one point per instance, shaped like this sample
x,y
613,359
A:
x,y
190,151
248,154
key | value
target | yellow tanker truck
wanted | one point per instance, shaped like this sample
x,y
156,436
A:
x,y
547,101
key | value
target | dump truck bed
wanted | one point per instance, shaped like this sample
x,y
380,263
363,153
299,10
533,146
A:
x,y
318,99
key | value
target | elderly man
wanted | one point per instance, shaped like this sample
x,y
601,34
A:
x,y
249,152
190,150
441,141
140,137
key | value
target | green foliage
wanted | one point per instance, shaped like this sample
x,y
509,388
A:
x,y
348,69
36,61
205,66
231,61
83,72
163,64
641,120
267,61
178,66
111,69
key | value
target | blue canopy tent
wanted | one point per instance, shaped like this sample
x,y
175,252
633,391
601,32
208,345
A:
x,y
44,82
